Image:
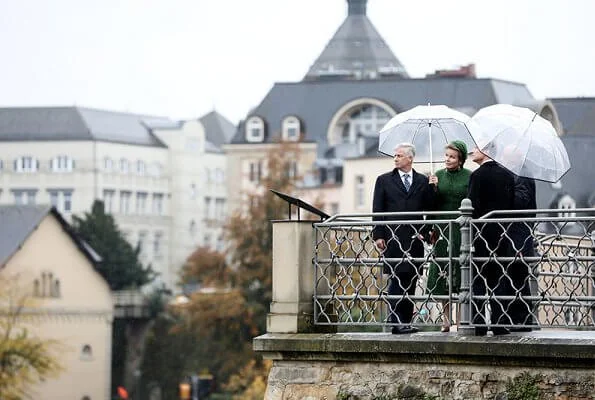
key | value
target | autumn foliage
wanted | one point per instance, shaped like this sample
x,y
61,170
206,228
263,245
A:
x,y
215,327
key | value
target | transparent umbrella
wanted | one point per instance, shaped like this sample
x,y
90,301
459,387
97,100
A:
x,y
521,141
430,128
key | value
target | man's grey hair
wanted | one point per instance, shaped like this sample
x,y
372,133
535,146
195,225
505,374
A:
x,y
408,147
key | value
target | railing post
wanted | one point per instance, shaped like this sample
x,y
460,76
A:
x,y
292,306
466,210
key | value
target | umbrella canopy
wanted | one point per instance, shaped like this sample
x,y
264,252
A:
x,y
521,141
429,128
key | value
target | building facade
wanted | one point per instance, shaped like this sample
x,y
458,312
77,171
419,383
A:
x,y
68,301
351,90
153,174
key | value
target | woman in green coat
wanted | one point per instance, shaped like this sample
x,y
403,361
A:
x,y
450,184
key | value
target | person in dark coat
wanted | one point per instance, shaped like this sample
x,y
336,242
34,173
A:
x,y
401,190
491,187
521,235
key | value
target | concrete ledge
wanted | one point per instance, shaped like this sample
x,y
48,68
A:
x,y
545,348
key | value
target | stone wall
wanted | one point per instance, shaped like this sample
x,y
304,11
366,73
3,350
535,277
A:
x,y
299,380
542,365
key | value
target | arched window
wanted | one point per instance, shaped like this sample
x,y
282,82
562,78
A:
x,y
291,129
366,120
86,352
36,288
255,129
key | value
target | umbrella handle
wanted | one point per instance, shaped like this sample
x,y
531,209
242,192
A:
x,y
430,140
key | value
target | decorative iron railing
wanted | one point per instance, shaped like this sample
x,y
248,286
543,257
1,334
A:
x,y
515,271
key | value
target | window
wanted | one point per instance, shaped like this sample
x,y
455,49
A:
x,y
334,208
24,196
157,244
67,201
26,164
291,169
193,191
192,228
566,203
61,199
255,129
54,198
220,209
108,164
86,353
255,171
157,203
219,176
125,202
366,120
291,129
108,200
207,240
142,239
55,289
141,167
124,166
207,208
62,164
359,191
1,165
141,203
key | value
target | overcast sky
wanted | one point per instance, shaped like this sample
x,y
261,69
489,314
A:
x,y
182,58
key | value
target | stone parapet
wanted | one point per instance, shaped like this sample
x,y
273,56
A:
x,y
365,366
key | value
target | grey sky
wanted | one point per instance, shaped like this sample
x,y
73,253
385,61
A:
x,y
179,58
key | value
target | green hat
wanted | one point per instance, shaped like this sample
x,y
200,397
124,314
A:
x,y
461,147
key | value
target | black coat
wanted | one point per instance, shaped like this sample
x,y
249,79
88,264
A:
x,y
491,187
524,199
390,196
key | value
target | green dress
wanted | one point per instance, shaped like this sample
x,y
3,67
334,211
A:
x,y
452,188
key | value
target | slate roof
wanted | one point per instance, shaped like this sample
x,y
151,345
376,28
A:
x,y
18,222
78,123
315,102
356,50
219,130
577,114
578,181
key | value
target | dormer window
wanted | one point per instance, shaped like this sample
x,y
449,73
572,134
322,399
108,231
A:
x,y
566,205
255,129
291,129
62,164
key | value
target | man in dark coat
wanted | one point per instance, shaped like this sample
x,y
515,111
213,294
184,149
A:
x,y
491,187
521,234
401,190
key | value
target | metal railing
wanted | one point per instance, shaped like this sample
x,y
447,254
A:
x,y
515,271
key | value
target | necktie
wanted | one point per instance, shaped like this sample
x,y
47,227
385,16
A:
x,y
406,182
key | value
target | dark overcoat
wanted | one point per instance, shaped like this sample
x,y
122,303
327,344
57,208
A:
x,y
390,196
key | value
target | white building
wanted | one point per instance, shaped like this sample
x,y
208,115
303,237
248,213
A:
x,y
150,172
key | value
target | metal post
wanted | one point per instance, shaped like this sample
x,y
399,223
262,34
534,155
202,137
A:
x,y
466,210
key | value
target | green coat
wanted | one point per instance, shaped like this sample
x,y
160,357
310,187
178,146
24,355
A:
x,y
452,188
